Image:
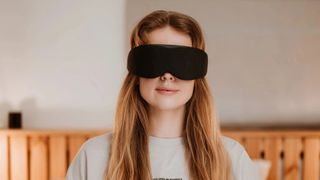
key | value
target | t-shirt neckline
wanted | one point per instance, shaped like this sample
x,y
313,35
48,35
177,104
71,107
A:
x,y
165,142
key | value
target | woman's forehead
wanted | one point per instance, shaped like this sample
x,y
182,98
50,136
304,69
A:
x,y
168,35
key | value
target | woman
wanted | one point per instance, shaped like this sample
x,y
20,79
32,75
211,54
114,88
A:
x,y
165,124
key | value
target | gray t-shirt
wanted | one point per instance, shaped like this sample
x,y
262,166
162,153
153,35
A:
x,y
166,159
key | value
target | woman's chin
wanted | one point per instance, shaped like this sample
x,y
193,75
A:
x,y
167,106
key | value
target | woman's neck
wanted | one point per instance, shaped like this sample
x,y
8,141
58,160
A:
x,y
166,123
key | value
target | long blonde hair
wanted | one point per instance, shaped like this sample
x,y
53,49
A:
x,y
129,154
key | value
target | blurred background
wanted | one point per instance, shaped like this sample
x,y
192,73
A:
x,y
62,63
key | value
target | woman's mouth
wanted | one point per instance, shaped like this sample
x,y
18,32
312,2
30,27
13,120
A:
x,y
166,91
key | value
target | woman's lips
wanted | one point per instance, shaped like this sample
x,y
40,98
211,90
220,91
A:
x,y
166,91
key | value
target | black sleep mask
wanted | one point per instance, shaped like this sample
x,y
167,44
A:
x,y
153,60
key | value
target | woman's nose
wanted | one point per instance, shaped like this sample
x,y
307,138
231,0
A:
x,y
167,76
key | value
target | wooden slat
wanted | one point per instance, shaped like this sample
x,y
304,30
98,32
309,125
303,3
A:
x,y
58,157
272,151
74,144
4,157
38,158
253,147
292,147
311,159
19,158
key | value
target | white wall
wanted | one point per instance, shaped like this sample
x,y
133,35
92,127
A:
x,y
62,62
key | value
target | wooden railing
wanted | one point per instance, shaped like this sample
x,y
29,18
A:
x,y
294,154
41,155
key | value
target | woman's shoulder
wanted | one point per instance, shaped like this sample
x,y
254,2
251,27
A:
x,y
234,148
231,144
91,159
96,143
242,165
